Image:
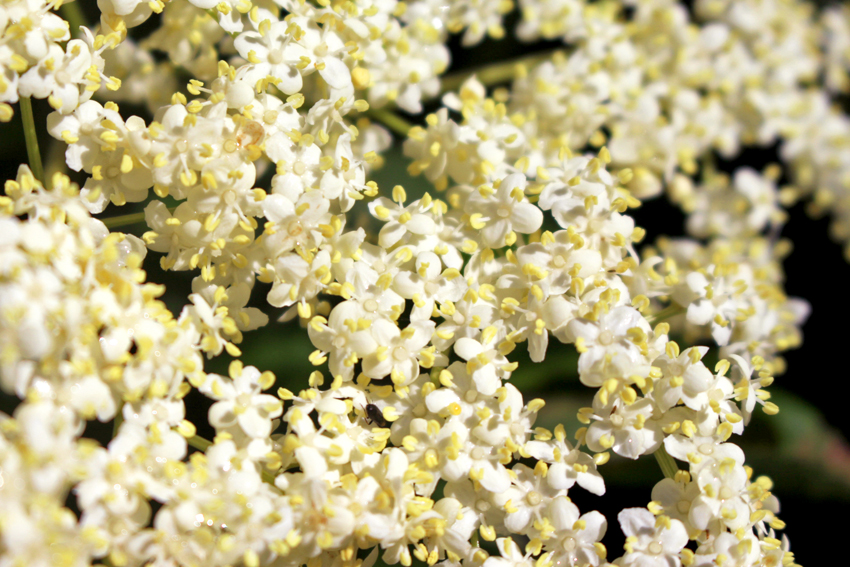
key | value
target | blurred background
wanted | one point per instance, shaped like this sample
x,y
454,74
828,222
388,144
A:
x,y
804,449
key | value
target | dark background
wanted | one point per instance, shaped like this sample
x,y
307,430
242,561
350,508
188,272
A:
x,y
803,449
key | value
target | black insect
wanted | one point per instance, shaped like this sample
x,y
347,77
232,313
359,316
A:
x,y
374,415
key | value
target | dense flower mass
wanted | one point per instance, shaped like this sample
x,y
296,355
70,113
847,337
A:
x,y
261,124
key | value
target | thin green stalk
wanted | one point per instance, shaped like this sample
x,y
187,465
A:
x,y
391,120
666,313
126,220
119,419
199,443
31,139
666,462
73,14
123,220
493,74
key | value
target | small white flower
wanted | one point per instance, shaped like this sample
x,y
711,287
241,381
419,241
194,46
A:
x,y
723,499
399,352
651,541
499,214
567,464
574,539
240,401
511,556
627,429
486,360
59,76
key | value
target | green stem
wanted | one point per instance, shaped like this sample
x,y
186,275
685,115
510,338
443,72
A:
x,y
666,313
31,139
492,74
666,462
123,220
199,443
391,120
119,419
73,14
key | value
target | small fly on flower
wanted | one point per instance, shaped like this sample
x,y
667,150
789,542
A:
x,y
373,414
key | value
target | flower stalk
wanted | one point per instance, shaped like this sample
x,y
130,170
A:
x,y
31,138
666,313
494,73
391,120
666,462
124,220
72,12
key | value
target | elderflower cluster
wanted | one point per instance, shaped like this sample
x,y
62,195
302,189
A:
x,y
253,153
39,59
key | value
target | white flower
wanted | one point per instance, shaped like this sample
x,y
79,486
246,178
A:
x,y
240,401
486,360
511,556
415,218
527,498
714,405
567,464
433,149
324,50
683,376
481,462
428,285
735,551
560,260
674,497
273,54
343,336
614,332
399,352
452,540
433,447
651,541
59,76
574,540
628,429
749,388
723,499
701,451
499,214
463,319
294,224
711,299
298,279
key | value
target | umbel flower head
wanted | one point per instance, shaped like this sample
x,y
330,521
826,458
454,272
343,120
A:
x,y
260,127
